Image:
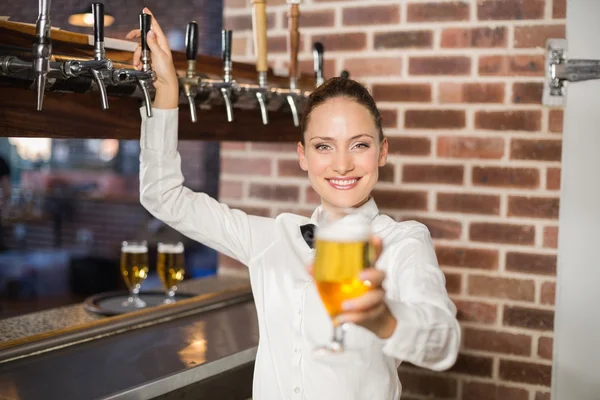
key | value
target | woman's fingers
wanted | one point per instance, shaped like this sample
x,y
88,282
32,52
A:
x,y
160,36
134,34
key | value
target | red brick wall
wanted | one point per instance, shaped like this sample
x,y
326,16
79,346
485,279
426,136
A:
x,y
474,155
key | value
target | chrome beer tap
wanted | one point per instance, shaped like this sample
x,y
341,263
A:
x,y
99,67
145,81
261,91
191,81
42,51
318,50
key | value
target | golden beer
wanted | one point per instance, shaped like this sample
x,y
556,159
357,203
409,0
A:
x,y
342,251
134,265
170,265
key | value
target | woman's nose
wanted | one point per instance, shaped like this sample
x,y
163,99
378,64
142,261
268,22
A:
x,y
342,162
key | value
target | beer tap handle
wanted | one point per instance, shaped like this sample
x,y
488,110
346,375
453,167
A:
x,y
318,62
191,51
259,25
98,13
42,51
293,23
226,50
145,24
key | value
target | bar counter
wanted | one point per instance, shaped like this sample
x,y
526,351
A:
x,y
195,349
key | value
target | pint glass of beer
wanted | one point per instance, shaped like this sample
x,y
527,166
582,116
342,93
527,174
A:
x,y
134,269
342,251
170,267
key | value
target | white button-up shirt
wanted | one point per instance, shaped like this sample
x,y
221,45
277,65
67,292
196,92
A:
x,y
291,317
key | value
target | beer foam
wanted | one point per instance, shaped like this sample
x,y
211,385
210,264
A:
x,y
170,248
351,228
134,249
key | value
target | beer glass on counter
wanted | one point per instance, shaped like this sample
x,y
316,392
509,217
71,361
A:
x,y
342,251
134,269
170,268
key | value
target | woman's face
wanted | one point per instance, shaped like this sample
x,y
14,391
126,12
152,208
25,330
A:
x,y
342,153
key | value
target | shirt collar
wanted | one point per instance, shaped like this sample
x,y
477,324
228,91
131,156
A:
x,y
369,210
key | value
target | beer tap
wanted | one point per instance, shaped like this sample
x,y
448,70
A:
x,y
191,80
318,63
228,83
259,25
145,81
99,66
42,51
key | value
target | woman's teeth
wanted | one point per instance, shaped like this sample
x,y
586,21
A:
x,y
344,183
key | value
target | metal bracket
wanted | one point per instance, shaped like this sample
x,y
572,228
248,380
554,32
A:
x,y
560,70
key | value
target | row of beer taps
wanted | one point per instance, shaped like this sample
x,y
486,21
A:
x,y
194,87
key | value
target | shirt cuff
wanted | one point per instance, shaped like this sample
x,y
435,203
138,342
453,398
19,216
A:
x,y
159,132
408,341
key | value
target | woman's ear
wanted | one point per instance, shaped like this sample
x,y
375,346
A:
x,y
383,153
302,156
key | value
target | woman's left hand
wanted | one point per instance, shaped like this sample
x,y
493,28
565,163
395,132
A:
x,y
370,309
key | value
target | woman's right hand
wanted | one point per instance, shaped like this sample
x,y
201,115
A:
x,y
166,83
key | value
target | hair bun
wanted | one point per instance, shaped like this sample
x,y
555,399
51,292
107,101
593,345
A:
x,y
345,74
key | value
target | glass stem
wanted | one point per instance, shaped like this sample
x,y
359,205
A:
x,y
338,337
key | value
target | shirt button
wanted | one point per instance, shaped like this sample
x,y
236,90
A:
x,y
297,349
299,311
296,389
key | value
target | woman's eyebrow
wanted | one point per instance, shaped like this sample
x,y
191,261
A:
x,y
332,139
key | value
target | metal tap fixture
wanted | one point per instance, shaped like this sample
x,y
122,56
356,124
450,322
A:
x,y
145,77
318,51
99,67
42,51
191,81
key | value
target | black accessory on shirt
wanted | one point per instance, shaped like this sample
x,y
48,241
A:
x,y
308,233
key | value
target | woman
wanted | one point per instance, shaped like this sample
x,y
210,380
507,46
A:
x,y
409,318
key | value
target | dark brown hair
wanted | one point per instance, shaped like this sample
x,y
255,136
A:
x,y
341,87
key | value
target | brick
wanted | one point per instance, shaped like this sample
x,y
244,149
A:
x,y
489,391
380,66
474,37
246,166
525,372
387,173
473,311
435,386
434,119
537,35
470,147
510,9
389,118
277,44
545,347
519,65
372,15
548,293
439,228
559,10
529,318
274,192
312,197
313,19
234,3
233,146
409,145
435,11
274,147
244,22
506,177
540,150
450,92
544,264
467,258
456,65
468,203
329,67
533,207
555,121
502,233
453,283
502,288
402,92
527,92
551,236
473,365
542,396
230,189
342,41
497,342
290,168
518,120
403,40
239,46
444,174
401,199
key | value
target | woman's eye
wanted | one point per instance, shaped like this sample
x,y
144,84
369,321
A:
x,y
362,145
322,147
